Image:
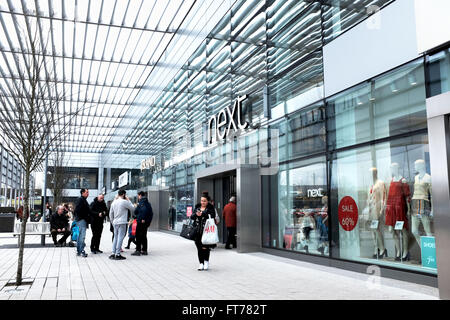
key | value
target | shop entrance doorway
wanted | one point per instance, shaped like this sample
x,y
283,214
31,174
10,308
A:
x,y
224,181
220,188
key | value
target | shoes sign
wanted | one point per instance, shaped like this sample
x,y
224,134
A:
x,y
220,125
428,252
148,163
348,213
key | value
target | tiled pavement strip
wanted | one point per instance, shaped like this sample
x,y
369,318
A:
x,y
169,272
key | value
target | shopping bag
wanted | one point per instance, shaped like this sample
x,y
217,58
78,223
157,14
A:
x,y
188,230
75,230
133,227
210,232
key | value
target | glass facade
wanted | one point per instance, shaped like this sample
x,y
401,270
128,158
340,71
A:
x,y
11,180
76,178
438,71
391,185
353,177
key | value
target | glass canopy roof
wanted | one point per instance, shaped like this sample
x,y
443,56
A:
x,y
142,68
99,53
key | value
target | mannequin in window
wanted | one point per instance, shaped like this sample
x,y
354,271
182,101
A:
x,y
322,226
376,203
397,209
307,224
421,211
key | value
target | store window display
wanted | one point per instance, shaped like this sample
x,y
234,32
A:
x,y
422,213
397,210
391,187
322,226
303,207
376,200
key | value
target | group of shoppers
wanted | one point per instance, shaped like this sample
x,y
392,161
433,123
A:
x,y
94,214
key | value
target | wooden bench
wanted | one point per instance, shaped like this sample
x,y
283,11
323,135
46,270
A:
x,y
32,228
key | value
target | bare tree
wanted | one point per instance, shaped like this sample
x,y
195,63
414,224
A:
x,y
32,114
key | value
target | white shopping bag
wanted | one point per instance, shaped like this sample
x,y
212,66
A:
x,y
210,232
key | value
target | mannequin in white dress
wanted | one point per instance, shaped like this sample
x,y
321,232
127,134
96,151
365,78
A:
x,y
421,209
376,202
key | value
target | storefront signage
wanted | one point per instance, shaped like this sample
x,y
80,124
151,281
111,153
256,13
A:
x,y
123,179
220,125
348,213
148,163
428,247
313,193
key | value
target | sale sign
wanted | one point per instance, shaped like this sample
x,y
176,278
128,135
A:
x,y
348,213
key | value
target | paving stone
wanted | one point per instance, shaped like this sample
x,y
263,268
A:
x,y
170,272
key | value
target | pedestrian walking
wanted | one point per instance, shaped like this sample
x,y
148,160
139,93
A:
x,y
19,213
48,211
98,213
118,215
144,216
229,215
202,211
82,214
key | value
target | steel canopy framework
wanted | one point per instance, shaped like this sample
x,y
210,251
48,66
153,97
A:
x,y
99,53
143,68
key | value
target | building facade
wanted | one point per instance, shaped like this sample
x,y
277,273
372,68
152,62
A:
x,y
329,122
12,181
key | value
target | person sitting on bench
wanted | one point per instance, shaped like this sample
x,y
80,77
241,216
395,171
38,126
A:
x,y
59,224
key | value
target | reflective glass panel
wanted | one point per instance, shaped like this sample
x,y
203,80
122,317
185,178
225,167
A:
x,y
382,205
389,105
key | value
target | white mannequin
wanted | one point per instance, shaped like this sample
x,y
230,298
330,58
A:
x,y
422,184
376,203
395,172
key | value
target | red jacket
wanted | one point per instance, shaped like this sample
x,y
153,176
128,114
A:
x,y
229,215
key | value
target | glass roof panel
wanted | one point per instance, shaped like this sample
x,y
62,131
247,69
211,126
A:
x,y
100,53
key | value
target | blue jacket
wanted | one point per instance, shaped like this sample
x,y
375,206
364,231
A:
x,y
144,211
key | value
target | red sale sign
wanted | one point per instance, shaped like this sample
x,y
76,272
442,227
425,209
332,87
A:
x,y
348,213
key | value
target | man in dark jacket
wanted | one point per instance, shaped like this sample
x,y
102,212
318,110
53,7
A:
x,y
98,213
144,216
82,214
229,215
59,224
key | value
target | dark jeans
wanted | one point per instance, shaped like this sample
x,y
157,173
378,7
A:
x,y
231,237
66,234
203,254
97,229
141,236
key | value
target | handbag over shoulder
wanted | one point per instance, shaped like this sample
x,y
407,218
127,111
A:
x,y
189,230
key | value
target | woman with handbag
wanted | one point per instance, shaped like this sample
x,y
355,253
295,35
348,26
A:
x,y
202,212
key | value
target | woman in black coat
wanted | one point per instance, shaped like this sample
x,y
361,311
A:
x,y
199,217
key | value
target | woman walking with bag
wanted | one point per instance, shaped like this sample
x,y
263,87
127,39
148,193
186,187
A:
x,y
202,212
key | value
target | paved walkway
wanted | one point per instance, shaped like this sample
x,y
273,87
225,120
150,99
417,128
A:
x,y
169,272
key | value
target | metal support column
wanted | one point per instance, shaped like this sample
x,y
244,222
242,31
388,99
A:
x,y
45,191
438,111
